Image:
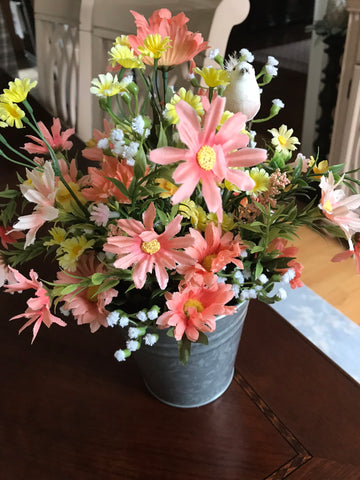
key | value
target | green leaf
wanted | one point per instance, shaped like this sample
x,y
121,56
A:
x,y
140,163
162,139
184,347
203,339
170,332
258,270
257,248
97,278
118,184
69,288
112,282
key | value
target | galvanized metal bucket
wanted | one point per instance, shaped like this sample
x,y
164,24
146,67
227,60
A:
x,y
207,374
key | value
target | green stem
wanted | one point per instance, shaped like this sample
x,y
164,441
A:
x,y
3,154
31,162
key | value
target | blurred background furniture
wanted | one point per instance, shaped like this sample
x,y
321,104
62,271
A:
x,y
74,36
345,143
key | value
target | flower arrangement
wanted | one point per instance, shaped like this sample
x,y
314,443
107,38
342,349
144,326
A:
x,y
181,218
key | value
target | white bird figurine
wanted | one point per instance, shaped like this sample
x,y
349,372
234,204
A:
x,y
243,93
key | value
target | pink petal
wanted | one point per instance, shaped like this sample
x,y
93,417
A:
x,y
240,179
161,276
189,125
185,191
149,217
167,155
211,193
229,134
212,119
246,157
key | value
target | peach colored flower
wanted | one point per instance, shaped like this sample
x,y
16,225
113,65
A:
x,y
86,305
340,257
339,208
211,156
8,236
41,190
147,250
101,189
185,45
297,267
194,308
211,254
92,151
57,141
38,310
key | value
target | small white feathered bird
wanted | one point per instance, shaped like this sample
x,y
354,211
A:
x,y
243,93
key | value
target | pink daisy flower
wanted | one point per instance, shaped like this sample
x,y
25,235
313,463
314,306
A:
x,y
86,305
211,254
56,139
142,247
211,156
38,310
193,309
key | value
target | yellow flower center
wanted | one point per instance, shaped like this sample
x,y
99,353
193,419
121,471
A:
x,y
150,247
192,303
206,157
206,263
282,140
328,206
91,293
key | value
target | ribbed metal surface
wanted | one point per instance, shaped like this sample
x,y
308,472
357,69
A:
x,y
207,374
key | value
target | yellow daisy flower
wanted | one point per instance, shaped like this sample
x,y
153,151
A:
x,y
11,114
72,249
19,89
124,56
122,40
213,77
166,185
227,224
64,197
106,86
196,214
321,168
189,97
224,117
58,236
154,45
261,179
282,139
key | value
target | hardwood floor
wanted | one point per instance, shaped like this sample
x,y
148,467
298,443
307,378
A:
x,y
337,283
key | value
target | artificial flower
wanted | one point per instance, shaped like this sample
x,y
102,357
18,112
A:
x,y
194,308
8,236
188,96
125,57
56,140
338,207
213,77
283,140
11,113
154,45
185,45
38,310
140,246
87,304
211,252
106,86
70,251
210,157
18,90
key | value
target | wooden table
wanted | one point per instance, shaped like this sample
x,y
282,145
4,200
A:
x,y
69,411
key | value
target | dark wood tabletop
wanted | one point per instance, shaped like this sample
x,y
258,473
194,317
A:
x,y
69,411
